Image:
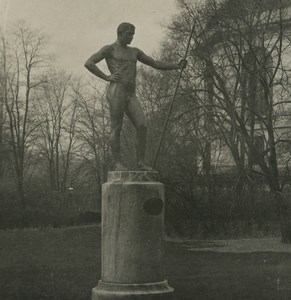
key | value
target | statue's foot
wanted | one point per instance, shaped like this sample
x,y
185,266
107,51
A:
x,y
143,167
120,167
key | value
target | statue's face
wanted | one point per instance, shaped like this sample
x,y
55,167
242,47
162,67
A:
x,y
126,36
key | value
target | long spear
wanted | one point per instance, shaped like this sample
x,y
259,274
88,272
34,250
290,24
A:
x,y
173,100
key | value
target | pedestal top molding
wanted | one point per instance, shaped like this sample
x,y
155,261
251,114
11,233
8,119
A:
x,y
132,176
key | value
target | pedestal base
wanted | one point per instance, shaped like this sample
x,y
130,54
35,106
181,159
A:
x,y
148,291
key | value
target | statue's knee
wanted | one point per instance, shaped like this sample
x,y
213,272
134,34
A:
x,y
111,137
142,128
114,134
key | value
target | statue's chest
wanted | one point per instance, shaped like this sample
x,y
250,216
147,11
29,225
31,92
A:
x,y
124,56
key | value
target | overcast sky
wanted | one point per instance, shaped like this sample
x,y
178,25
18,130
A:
x,y
78,28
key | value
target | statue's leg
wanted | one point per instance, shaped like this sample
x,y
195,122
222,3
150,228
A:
x,y
116,107
136,116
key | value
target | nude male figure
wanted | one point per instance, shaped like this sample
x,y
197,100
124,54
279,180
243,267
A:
x,y
121,61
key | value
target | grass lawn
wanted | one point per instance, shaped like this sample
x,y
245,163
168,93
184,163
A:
x,y
63,264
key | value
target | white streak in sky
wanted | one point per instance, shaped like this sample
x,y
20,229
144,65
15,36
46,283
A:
x,y
6,9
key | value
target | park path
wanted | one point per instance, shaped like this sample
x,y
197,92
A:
x,y
237,245
231,245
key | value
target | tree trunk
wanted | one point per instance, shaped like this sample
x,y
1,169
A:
x,y
286,231
21,194
1,136
284,210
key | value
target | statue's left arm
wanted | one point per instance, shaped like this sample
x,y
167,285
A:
x,y
159,65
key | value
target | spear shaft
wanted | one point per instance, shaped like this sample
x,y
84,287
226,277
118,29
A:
x,y
173,100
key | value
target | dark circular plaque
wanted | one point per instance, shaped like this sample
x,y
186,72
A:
x,y
153,206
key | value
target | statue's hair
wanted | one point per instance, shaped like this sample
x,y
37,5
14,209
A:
x,y
123,27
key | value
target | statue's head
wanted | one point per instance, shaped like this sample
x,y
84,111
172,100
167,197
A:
x,y
125,32
124,27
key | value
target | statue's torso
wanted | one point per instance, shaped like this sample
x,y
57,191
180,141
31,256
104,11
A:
x,y
123,60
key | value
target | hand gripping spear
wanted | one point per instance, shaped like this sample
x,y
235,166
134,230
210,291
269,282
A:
x,y
173,100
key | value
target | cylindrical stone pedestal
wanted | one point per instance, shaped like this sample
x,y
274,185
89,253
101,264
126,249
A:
x,y
132,238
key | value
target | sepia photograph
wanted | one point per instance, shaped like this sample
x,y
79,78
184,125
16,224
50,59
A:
x,y
145,150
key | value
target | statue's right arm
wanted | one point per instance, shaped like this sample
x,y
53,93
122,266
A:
x,y
91,62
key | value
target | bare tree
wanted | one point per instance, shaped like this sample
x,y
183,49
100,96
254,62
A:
x,y
56,112
93,133
22,59
243,46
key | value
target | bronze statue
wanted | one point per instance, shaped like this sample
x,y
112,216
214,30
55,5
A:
x,y
121,61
